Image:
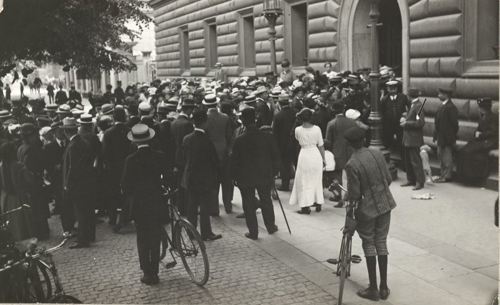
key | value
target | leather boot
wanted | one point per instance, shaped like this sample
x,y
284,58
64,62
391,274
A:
x,y
371,293
382,265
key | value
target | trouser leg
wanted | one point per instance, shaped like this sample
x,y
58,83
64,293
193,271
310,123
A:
x,y
382,266
154,247
143,246
286,165
227,186
416,165
446,158
371,264
249,207
407,159
266,205
205,224
192,209
67,213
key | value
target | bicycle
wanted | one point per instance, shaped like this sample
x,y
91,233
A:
x,y
345,257
29,270
185,243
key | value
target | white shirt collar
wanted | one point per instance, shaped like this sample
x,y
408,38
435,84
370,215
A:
x,y
142,145
199,129
72,137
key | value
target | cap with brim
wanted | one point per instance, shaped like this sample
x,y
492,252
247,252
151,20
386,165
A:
x,y
392,83
352,114
249,99
86,119
4,114
69,123
354,134
140,133
107,109
64,109
210,100
338,106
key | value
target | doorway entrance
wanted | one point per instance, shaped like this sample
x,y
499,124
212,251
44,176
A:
x,y
299,35
390,36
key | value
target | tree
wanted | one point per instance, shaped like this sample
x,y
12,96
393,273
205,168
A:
x,y
85,34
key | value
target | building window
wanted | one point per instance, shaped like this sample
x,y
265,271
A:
x,y
299,34
184,48
487,27
247,39
210,43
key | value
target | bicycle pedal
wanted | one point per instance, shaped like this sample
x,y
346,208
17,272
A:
x,y
170,265
332,261
356,259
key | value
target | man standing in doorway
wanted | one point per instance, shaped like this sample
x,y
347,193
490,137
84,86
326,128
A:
x,y
445,133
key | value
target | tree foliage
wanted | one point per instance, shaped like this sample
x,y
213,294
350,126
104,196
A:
x,y
85,34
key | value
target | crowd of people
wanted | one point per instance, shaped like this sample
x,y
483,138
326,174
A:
x,y
207,136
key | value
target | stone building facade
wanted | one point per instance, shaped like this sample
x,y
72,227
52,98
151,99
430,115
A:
x,y
431,43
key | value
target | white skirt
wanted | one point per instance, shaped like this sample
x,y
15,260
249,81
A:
x,y
308,183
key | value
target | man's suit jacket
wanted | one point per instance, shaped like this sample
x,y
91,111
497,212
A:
x,y
142,181
32,157
166,142
53,159
199,162
115,149
413,135
320,118
391,111
255,159
264,115
78,167
446,124
220,132
368,181
336,142
283,125
181,127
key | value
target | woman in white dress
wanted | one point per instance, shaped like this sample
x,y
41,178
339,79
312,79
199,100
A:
x,y
308,184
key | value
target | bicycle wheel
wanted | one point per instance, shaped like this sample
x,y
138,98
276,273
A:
x,y
38,283
64,299
344,265
188,244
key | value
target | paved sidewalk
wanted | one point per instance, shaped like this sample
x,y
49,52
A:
x,y
442,252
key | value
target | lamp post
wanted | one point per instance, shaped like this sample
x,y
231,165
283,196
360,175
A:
x,y
272,10
375,119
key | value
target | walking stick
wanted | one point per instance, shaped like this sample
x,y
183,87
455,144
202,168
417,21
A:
x,y
282,210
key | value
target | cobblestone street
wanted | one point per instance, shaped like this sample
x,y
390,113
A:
x,y
240,273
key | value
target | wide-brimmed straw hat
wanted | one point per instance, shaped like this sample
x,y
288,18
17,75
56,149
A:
x,y
140,133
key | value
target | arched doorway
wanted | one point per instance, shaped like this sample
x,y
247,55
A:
x,y
394,45
390,36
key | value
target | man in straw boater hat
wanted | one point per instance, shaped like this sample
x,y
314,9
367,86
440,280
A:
x,y
142,185
78,181
392,107
219,131
368,181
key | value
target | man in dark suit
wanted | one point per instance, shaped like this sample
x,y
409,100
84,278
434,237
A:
x,y
445,133
199,165
61,96
392,107
413,139
115,149
368,181
219,131
254,163
181,127
337,143
142,184
283,125
74,95
79,181
31,155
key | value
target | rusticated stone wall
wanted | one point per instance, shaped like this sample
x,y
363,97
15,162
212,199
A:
x,y
170,16
438,37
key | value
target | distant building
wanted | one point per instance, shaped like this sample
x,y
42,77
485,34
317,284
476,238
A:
x,y
431,43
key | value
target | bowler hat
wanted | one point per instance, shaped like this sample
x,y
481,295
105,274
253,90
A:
x,y
484,102
354,134
140,133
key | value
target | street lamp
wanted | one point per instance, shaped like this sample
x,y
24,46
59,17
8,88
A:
x,y
375,119
272,10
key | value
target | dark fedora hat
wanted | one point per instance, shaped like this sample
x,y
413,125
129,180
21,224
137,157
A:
x,y
188,103
354,134
27,129
140,133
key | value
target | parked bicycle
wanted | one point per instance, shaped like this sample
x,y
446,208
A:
x,y
185,243
345,257
28,270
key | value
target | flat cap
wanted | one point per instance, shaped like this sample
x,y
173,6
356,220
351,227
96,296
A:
x,y
354,134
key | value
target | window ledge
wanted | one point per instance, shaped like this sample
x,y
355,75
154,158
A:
x,y
248,72
482,69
